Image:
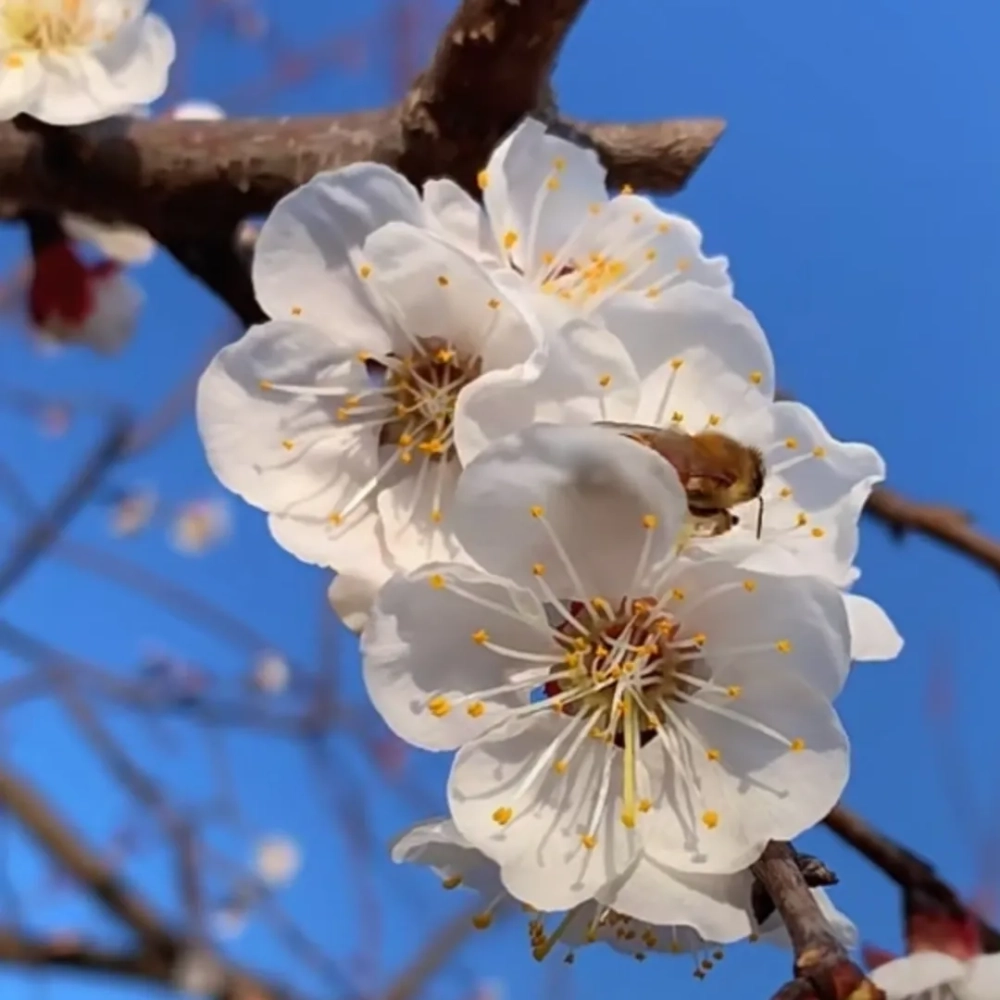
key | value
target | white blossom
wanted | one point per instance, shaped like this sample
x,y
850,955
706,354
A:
x,y
72,302
606,697
199,525
68,62
548,220
708,904
339,417
198,973
271,673
277,859
932,975
704,367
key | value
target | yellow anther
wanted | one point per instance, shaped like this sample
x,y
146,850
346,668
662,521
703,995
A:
x,y
365,270
819,452
797,745
756,378
714,420
363,356
432,447
734,690
650,521
637,217
437,516
783,646
560,766
443,355
817,532
604,381
482,179
451,882
713,755
594,208
645,805
343,412
482,920
683,264
699,638
677,417
710,818
509,239
600,604
651,255
663,227
443,281
628,189
558,163
749,586
677,363
548,258
652,292
801,520
476,709
628,819
481,637
265,385
589,841
538,569
13,62
494,303
503,815
439,706
553,184
791,442
437,581
405,440
537,511
287,444
785,492
296,310
406,457
677,594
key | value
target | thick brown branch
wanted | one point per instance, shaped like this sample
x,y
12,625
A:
x,y
822,966
491,67
656,156
905,868
948,525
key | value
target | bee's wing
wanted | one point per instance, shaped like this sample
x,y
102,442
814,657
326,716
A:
x,y
674,445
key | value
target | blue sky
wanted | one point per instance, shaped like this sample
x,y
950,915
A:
x,y
855,192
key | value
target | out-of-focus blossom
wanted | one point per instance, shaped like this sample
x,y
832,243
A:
x,y
205,111
72,302
277,859
132,511
200,525
198,973
69,62
54,420
271,673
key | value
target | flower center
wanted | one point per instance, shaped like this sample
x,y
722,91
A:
x,y
424,389
620,665
46,25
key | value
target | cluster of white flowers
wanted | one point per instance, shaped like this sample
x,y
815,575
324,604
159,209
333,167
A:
x,y
536,439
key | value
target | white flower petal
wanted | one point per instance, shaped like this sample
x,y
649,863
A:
x,y
873,635
456,215
982,980
702,355
908,978
416,513
580,375
310,249
20,86
538,188
124,243
437,291
117,304
755,787
438,844
352,594
136,61
284,452
557,495
745,615
354,547
421,643
544,860
717,906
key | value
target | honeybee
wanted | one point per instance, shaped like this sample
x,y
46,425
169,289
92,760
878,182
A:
x,y
716,471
